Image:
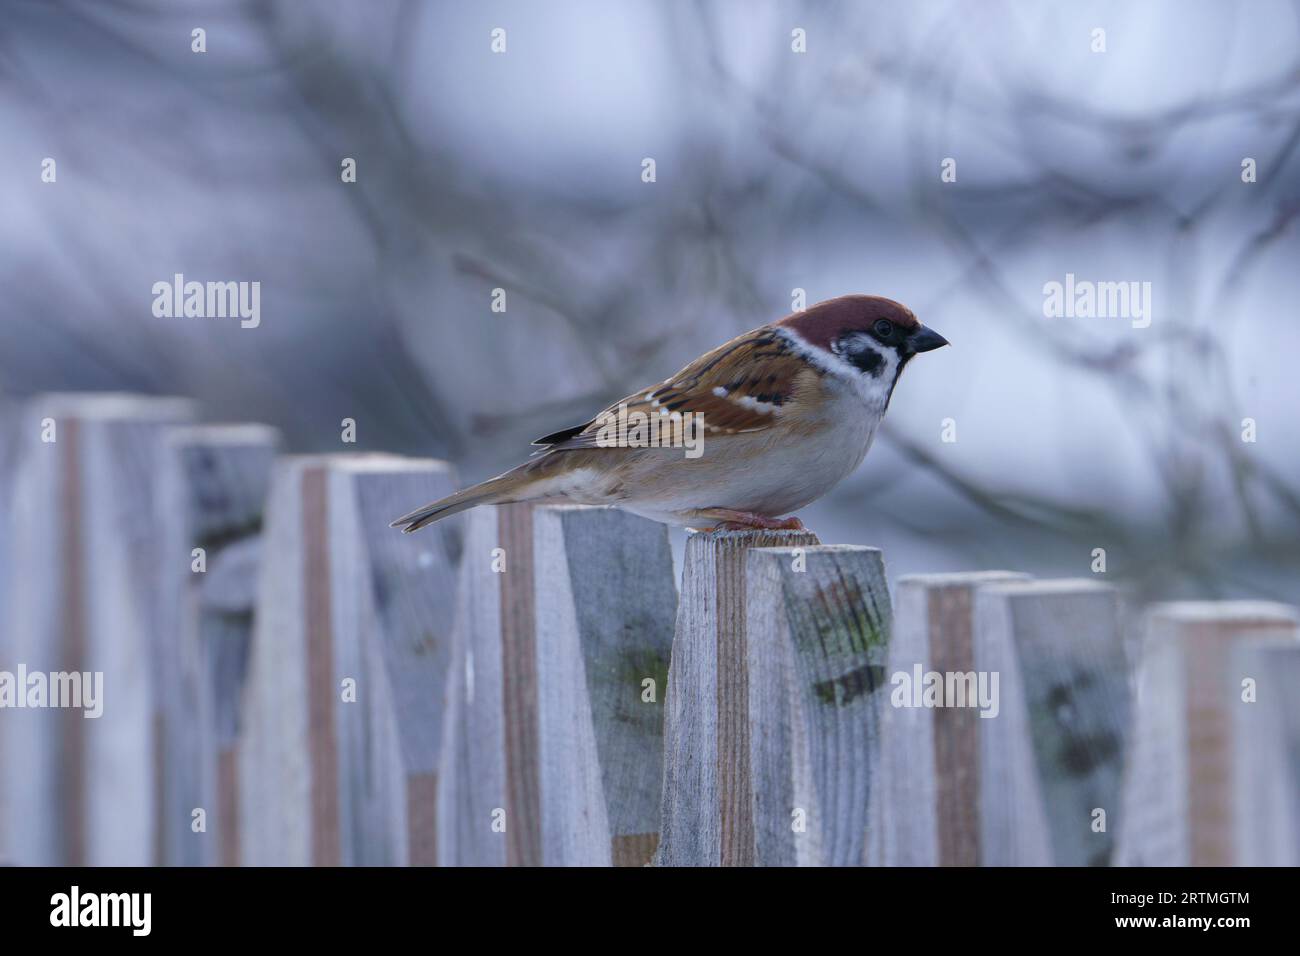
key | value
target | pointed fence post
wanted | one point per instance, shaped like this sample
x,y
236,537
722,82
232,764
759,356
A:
x,y
1181,782
10,432
275,779
477,815
392,611
817,640
345,688
707,795
928,806
606,600
1052,747
85,557
212,486
1266,732
561,660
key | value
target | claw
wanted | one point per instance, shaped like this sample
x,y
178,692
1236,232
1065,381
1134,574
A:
x,y
750,521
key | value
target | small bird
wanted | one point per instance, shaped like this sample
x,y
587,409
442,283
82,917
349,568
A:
x,y
780,415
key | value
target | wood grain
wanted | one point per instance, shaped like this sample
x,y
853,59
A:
x,y
394,601
1266,743
563,612
322,732
927,813
212,486
85,559
72,742
519,687
472,774
275,769
347,602
1054,753
605,602
10,431
1181,795
707,794
817,635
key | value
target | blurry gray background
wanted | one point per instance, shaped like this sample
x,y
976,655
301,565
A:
x,y
775,170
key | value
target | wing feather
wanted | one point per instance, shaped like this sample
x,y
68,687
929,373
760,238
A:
x,y
744,385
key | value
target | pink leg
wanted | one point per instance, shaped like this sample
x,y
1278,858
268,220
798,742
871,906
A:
x,y
729,520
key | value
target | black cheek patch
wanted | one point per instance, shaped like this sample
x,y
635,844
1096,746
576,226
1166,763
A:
x,y
867,360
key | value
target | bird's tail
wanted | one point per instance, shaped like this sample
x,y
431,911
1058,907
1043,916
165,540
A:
x,y
494,491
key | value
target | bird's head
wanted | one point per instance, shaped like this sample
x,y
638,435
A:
x,y
872,337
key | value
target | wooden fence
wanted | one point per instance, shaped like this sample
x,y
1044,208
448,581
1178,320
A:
x,y
286,680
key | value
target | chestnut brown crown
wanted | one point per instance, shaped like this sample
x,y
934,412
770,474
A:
x,y
891,323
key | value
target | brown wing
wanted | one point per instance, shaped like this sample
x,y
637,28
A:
x,y
744,385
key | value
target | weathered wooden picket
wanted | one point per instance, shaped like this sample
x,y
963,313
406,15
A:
x,y
289,681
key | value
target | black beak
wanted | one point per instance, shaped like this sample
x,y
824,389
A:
x,y
925,339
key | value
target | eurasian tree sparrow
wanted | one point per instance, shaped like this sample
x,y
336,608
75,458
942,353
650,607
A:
x,y
788,410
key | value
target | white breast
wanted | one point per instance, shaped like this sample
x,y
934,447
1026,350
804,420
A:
x,y
772,472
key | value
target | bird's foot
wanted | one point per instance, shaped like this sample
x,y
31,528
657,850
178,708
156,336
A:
x,y
729,520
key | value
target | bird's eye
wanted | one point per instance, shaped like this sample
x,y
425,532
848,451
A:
x,y
884,328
